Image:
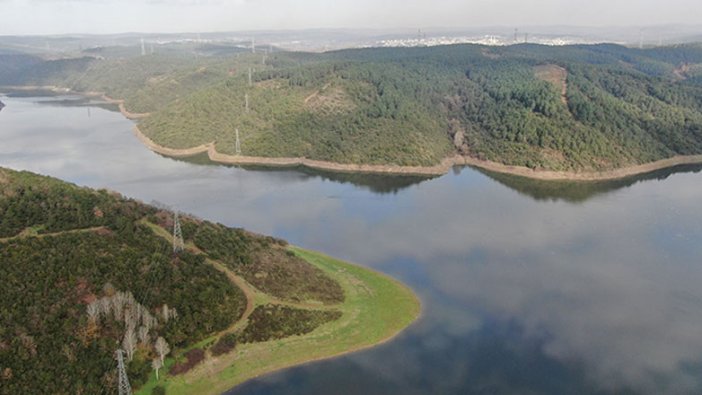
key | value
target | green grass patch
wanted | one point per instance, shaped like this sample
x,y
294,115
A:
x,y
375,309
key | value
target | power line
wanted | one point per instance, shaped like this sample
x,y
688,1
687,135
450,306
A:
x,y
178,243
237,147
124,387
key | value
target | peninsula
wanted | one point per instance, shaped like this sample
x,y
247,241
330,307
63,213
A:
x,y
96,272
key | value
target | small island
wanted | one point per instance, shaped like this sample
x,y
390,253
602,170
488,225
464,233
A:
x,y
2,105
97,272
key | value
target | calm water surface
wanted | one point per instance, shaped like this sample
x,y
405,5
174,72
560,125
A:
x,y
526,287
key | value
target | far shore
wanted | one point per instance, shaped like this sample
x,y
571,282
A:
x,y
442,168
445,166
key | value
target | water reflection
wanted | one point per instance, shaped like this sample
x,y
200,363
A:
x,y
377,183
577,192
522,292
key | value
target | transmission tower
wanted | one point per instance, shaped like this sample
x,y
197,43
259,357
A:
x,y
178,243
124,387
253,44
143,49
246,100
237,146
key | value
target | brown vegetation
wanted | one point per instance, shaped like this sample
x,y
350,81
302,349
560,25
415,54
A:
x,y
277,322
555,75
280,273
329,100
192,359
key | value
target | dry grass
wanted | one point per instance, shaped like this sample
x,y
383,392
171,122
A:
x,y
329,100
555,75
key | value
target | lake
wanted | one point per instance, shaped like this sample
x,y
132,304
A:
x,y
527,287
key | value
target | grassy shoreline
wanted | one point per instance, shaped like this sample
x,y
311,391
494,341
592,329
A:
x,y
377,308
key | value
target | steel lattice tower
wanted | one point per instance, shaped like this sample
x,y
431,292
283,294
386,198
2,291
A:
x,y
124,387
178,243
237,147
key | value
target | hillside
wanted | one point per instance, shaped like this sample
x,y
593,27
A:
x,y
572,108
86,272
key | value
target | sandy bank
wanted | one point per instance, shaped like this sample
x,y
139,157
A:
x,y
436,170
92,94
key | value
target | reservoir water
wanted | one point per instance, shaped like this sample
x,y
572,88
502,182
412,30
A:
x,y
527,287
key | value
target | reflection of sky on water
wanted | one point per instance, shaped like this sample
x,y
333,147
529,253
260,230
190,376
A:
x,y
519,294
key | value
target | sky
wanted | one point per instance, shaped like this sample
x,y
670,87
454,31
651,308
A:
x,y
118,16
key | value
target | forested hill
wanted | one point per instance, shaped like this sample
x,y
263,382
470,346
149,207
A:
x,y
564,108
86,272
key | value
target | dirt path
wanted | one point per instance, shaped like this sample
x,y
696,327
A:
x,y
248,290
312,96
556,75
24,235
254,297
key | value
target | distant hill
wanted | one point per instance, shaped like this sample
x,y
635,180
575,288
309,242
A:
x,y
572,108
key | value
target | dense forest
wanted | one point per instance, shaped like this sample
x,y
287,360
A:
x,y
87,272
582,107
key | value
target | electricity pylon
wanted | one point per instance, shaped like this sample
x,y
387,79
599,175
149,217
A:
x,y
237,147
178,243
124,387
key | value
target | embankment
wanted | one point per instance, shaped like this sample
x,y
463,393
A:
x,y
435,170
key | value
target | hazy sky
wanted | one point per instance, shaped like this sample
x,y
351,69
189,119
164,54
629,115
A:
x,y
110,16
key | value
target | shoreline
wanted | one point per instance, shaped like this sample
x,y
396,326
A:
x,y
340,354
253,360
90,94
437,170
428,171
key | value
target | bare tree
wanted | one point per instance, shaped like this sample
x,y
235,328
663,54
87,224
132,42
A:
x,y
168,313
118,305
93,311
148,320
129,343
164,313
162,348
156,364
131,317
105,306
143,335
